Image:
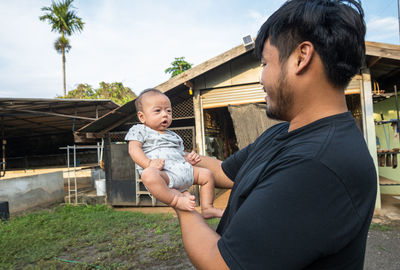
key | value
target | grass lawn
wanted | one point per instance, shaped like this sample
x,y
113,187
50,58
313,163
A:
x,y
92,237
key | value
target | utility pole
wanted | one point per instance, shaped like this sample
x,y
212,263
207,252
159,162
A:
x,y
398,15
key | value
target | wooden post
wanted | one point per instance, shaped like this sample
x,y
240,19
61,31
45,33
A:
x,y
369,124
198,115
107,165
198,122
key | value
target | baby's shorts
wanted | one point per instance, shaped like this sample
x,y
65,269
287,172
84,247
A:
x,y
180,175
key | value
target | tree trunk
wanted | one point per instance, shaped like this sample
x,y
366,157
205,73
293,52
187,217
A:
x,y
63,61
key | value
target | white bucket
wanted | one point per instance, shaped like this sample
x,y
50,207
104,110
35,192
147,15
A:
x,y
101,187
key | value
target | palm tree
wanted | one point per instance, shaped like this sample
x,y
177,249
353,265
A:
x,y
64,21
178,66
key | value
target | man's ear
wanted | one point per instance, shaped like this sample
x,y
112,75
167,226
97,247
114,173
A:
x,y
305,53
141,117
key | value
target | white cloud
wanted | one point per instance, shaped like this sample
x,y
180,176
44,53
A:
x,y
383,29
128,41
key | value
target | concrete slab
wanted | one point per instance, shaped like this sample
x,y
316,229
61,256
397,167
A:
x,y
26,192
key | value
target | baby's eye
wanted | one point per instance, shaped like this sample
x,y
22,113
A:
x,y
169,111
157,110
263,64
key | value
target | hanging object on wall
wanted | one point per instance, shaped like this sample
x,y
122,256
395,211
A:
x,y
388,158
394,157
381,158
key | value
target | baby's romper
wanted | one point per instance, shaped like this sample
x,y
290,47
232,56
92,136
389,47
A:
x,y
168,146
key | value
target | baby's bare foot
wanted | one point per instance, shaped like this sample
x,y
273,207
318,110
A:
x,y
212,212
185,203
190,196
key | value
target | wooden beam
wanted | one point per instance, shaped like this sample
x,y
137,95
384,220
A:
x,y
369,124
373,61
198,122
382,50
53,114
86,137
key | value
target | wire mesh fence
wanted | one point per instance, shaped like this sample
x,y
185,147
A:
x,y
186,133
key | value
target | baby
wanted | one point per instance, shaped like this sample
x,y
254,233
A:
x,y
165,169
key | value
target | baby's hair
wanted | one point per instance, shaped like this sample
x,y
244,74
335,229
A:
x,y
138,100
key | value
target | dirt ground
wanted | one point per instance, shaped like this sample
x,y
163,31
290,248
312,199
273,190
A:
x,y
383,244
383,248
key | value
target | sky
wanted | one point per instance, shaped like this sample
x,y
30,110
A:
x,y
133,41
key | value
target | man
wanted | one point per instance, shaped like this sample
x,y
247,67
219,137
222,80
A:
x,y
304,192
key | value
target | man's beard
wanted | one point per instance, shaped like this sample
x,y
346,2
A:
x,y
282,97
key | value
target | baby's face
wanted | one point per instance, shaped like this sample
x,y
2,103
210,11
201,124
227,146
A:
x,y
156,112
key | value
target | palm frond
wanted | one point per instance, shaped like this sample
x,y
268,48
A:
x,y
62,43
62,18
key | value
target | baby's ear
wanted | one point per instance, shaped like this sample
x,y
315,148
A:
x,y
141,117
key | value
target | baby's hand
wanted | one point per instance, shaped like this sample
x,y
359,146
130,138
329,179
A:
x,y
157,163
193,158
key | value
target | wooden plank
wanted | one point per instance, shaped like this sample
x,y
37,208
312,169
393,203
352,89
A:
x,y
383,181
373,61
369,124
382,50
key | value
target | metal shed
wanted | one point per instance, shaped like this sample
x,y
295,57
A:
x,y
32,130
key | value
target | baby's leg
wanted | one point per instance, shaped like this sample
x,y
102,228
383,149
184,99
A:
x,y
204,177
157,181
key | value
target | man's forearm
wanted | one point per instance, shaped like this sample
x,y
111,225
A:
x,y
200,241
214,165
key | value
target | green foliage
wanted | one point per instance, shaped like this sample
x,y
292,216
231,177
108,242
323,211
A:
x,y
90,237
62,43
82,91
178,66
62,18
115,91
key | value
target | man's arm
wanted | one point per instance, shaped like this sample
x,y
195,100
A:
x,y
200,241
214,165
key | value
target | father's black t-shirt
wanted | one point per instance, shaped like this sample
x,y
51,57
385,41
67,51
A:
x,y
301,200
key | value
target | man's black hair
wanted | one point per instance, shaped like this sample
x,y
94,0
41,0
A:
x,y
336,28
138,100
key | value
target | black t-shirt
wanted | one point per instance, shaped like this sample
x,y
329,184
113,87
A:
x,y
301,200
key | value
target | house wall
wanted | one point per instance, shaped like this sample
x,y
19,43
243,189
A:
x,y
388,109
242,70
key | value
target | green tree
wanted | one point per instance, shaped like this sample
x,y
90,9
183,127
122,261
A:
x,y
115,91
178,66
64,21
82,91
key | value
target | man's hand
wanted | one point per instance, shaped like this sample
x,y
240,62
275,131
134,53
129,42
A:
x,y
157,163
193,158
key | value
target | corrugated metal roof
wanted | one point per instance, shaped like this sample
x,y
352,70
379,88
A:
x,y
111,119
29,116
